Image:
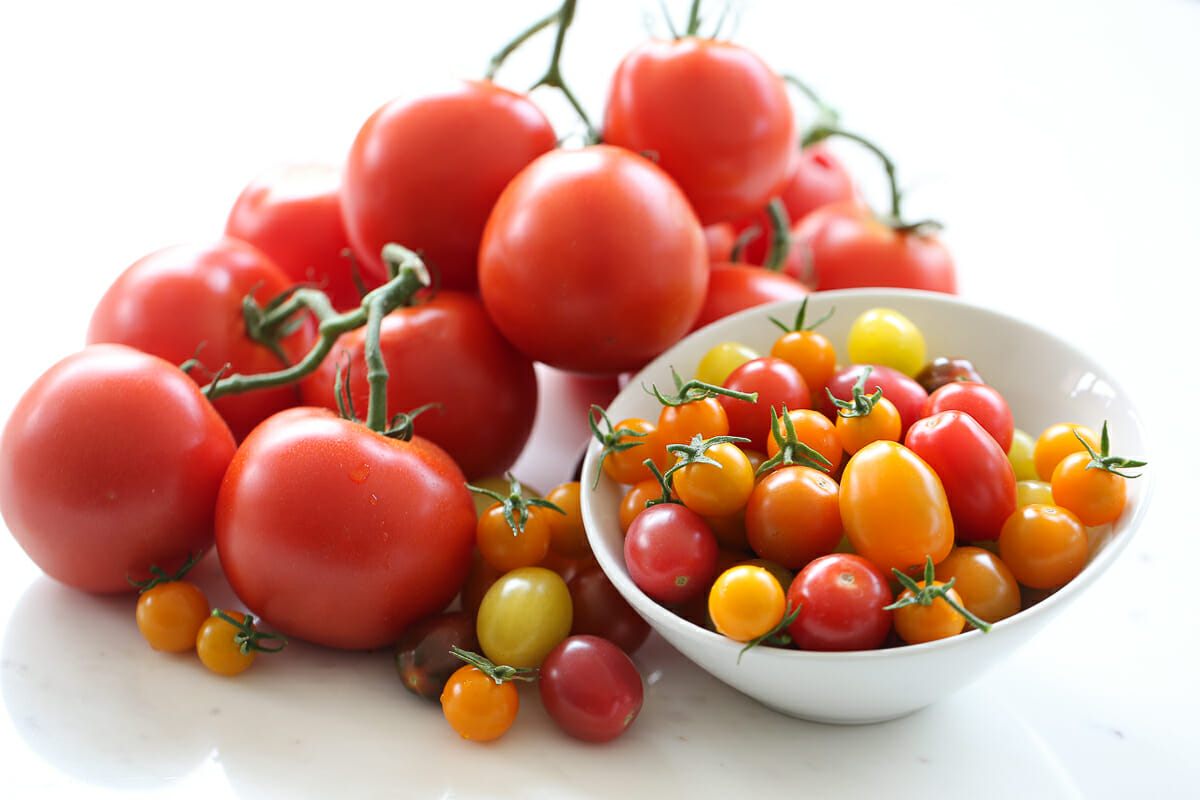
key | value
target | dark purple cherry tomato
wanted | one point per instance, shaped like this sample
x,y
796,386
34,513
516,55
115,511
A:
x,y
590,688
842,599
944,370
423,658
671,553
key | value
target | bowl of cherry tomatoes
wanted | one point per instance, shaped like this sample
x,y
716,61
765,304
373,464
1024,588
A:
x,y
850,507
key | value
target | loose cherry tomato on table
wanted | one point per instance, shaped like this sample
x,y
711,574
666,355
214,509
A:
x,y
480,700
111,462
228,642
568,536
590,688
423,656
523,616
842,600
599,609
170,610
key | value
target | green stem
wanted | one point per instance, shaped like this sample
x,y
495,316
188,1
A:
x,y
553,76
781,239
820,132
504,52
693,24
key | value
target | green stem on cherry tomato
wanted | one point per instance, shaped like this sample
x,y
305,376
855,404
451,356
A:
x,y
695,452
860,403
503,53
664,481
781,239
497,672
776,635
925,595
696,390
515,504
799,325
1103,460
248,637
791,451
161,576
610,440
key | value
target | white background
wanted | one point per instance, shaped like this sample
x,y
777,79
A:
x,y
1055,140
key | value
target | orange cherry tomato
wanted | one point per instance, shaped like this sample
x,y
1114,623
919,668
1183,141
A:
x,y
1057,442
793,516
881,422
169,615
983,582
705,417
746,602
507,549
635,498
568,536
917,623
813,429
626,465
1045,546
477,707
716,489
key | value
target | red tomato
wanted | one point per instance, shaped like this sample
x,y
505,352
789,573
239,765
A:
x,y
425,171
598,609
720,239
186,301
109,465
341,536
779,386
671,553
715,115
590,688
984,403
842,599
736,287
444,351
294,215
850,247
593,261
980,484
905,393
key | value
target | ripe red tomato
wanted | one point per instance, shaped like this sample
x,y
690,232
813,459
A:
x,y
905,393
842,599
444,351
293,214
425,171
109,465
736,287
590,688
593,261
671,553
598,609
850,247
779,386
185,301
341,536
983,402
715,115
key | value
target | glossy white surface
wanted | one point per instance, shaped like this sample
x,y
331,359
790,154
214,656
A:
x,y
1055,140
1062,384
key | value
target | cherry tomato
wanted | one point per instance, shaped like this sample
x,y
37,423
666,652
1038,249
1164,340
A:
x,y
480,578
339,535
1057,442
793,516
704,417
1091,493
722,359
227,648
1034,491
715,115
984,583
110,463
1020,455
850,247
598,609
568,536
425,172
634,501
477,707
671,553
984,403
293,213
593,261
627,465
716,489
943,370
810,352
506,549
894,508
523,616
814,429
918,623
904,392
1045,546
185,302
842,599
978,478
422,654
885,336
779,386
746,602
735,287
856,431
590,688
169,615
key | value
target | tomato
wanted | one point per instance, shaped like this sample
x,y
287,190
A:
x,y
593,261
813,429
850,247
339,535
717,486
633,502
716,116
598,609
984,403
810,352
422,654
917,623
746,602
506,549
736,287
478,707
1057,442
169,615
1034,491
633,441
720,240
293,213
722,359
1020,455
480,578
779,386
523,616
228,642
842,599
1094,494
1045,546
704,417
671,553
984,583
185,301
425,171
865,418
894,508
590,688
885,336
110,462
793,516
568,536
446,352
943,370
978,478
904,392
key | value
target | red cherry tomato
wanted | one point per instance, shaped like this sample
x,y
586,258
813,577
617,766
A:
x,y
717,118
425,172
185,301
110,464
590,688
339,535
842,599
850,247
598,609
293,214
983,402
593,261
779,386
671,553
905,393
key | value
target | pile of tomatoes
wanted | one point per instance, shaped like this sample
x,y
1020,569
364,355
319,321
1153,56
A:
x,y
897,503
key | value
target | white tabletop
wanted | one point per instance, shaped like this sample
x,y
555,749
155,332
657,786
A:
x,y
1056,142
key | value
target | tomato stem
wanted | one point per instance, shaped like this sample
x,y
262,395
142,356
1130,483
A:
x,y
860,403
497,672
931,590
515,504
248,637
776,635
827,115
162,576
1102,460
781,239
503,53
696,452
696,390
792,451
799,325
610,440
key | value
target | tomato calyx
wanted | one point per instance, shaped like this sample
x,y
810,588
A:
x,y
696,390
161,576
777,636
515,505
860,403
928,590
798,323
497,672
792,451
248,638
1102,459
610,440
694,452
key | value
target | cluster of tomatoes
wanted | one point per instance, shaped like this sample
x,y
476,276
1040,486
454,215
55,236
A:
x,y
898,505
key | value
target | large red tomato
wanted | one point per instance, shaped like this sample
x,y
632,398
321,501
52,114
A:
x,y
339,535
444,351
713,114
424,172
736,287
185,301
109,465
293,214
593,261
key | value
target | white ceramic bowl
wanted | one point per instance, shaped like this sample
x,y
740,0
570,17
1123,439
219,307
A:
x,y
1045,379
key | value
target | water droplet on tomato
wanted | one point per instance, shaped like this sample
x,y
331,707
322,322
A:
x,y
360,473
